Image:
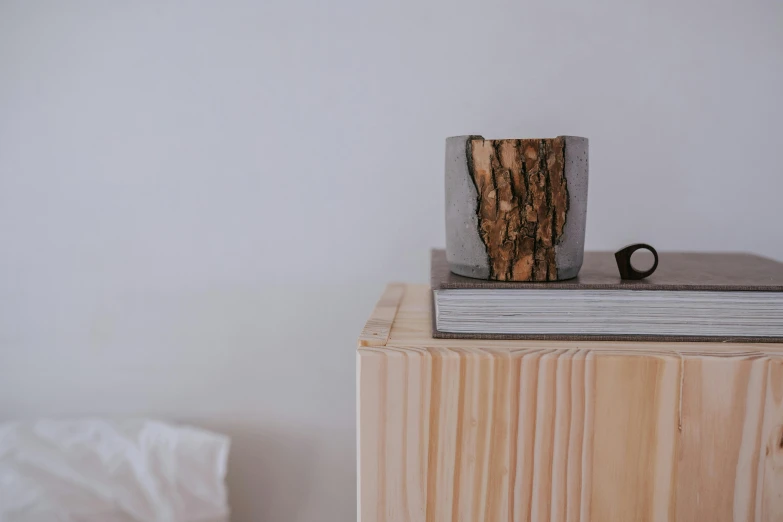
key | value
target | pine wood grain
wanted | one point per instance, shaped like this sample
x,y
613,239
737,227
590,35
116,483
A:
x,y
378,327
458,430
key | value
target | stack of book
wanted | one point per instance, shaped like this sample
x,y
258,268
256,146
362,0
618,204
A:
x,y
690,297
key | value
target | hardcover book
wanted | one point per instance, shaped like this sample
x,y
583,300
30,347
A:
x,y
691,297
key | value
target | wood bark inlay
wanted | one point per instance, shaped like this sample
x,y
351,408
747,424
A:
x,y
522,204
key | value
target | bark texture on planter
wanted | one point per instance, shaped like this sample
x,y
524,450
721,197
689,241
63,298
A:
x,y
522,205
518,199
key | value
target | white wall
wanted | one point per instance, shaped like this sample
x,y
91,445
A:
x,y
201,201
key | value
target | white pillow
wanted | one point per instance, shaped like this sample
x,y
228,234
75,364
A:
x,y
105,471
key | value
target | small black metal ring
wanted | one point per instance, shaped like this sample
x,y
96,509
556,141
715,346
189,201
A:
x,y
623,258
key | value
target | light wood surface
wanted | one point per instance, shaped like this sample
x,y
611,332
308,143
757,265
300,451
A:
x,y
378,327
461,430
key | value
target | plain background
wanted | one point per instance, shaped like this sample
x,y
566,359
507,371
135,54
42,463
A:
x,y
201,201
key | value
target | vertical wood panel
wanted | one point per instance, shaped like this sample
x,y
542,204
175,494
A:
x,y
497,480
417,436
540,507
626,439
568,435
372,451
576,438
721,421
444,417
769,493
522,487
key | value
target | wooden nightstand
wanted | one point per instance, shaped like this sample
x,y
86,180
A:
x,y
463,430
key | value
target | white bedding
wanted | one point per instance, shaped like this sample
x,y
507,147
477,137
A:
x,y
105,471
